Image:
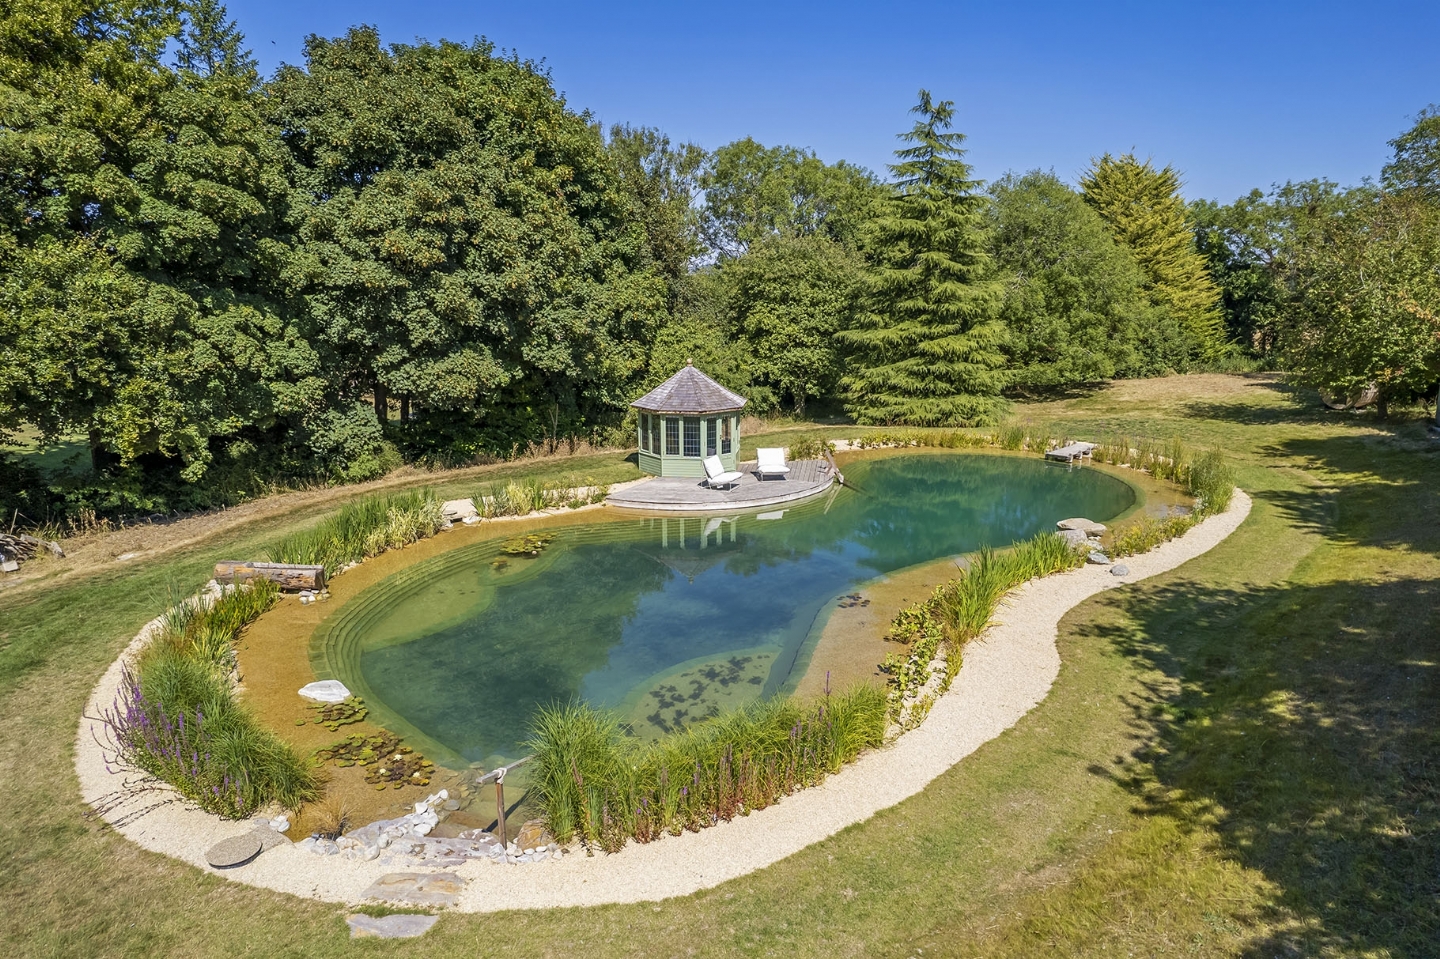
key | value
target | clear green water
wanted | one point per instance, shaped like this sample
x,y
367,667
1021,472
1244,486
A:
x,y
669,620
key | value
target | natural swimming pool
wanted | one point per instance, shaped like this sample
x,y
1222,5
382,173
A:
x,y
669,619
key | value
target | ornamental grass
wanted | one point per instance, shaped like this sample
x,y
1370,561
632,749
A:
x,y
176,718
597,784
362,529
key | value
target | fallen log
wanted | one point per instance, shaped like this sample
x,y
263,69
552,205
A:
x,y
285,575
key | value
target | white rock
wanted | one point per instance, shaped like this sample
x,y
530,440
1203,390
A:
x,y
459,509
326,691
280,824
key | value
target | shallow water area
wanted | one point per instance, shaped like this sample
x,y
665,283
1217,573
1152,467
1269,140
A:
x,y
668,620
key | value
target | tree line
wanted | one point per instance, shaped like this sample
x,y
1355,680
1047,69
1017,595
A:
x,y
422,252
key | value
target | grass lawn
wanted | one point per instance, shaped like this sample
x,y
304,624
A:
x,y
1240,758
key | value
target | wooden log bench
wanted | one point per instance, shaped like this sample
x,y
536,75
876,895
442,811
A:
x,y
285,575
1071,453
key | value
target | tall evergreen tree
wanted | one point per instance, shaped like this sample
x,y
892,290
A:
x,y
1144,208
926,348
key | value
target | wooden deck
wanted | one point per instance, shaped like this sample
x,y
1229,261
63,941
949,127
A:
x,y
1071,453
676,494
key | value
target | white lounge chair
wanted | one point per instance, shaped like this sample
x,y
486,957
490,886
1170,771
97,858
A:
x,y
771,462
717,475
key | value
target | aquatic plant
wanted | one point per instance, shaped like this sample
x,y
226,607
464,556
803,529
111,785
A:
x,y
177,721
937,629
362,529
595,783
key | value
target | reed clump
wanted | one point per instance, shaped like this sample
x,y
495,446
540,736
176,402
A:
x,y
936,630
362,529
522,497
1207,475
596,784
176,717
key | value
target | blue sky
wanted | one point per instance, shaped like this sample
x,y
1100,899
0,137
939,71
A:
x,y
1234,95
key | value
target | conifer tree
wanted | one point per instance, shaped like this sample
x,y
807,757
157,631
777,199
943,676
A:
x,y
926,346
1143,207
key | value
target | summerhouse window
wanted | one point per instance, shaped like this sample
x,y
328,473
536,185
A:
x,y
644,432
724,434
672,436
692,436
655,435
710,436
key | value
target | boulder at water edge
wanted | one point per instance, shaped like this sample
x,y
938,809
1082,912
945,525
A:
x,y
326,691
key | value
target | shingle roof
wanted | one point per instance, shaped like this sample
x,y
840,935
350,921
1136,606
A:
x,y
689,391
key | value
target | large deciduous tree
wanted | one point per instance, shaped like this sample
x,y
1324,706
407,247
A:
x,y
143,209
1144,209
926,346
1366,308
1075,305
753,192
1415,164
468,243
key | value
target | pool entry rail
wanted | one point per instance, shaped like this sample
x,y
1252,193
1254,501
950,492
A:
x,y
497,776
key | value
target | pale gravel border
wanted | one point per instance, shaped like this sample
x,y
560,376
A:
x,y
1006,673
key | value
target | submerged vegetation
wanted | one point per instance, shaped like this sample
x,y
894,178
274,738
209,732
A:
x,y
176,717
598,785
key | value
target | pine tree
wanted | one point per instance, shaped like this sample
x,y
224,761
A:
x,y
1143,207
926,347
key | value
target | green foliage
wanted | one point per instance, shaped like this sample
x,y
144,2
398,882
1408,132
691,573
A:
x,y
789,297
754,192
926,344
596,783
937,629
465,239
1075,305
810,449
177,718
1415,164
1209,476
1143,207
1148,533
361,529
1366,302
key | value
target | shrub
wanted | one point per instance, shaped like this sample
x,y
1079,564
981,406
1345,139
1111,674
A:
x,y
1148,533
362,529
596,784
810,449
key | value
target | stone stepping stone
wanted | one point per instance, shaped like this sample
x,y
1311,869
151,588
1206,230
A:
x,y
417,888
1087,526
235,851
389,927
1120,569
326,691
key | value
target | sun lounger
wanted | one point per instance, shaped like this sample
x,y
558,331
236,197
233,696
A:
x,y
771,462
717,475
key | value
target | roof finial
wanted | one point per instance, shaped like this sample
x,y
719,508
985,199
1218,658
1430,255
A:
x,y
689,362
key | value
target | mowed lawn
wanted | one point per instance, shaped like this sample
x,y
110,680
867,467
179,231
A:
x,y
1240,758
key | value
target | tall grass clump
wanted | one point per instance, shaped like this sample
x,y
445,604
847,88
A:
x,y
362,529
936,630
1208,476
595,783
176,718
522,497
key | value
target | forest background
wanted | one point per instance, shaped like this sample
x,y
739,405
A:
x,y
223,283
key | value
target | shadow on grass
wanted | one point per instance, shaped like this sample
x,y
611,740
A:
x,y
1386,492
1301,724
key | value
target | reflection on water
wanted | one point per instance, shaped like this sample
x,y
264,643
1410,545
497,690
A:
x,y
670,620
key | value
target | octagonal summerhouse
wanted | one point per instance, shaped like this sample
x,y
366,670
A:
x,y
684,420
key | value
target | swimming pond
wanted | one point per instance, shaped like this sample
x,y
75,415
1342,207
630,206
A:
x,y
668,620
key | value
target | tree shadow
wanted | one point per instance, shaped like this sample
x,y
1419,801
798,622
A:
x,y
1386,492
1302,725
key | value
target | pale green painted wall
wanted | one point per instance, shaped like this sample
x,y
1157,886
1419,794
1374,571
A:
x,y
661,464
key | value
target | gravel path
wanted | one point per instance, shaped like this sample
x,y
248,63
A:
x,y
1006,673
